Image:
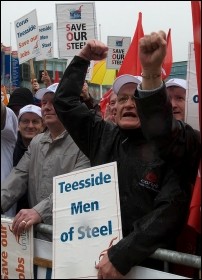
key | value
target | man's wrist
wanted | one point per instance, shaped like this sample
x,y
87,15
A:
x,y
151,78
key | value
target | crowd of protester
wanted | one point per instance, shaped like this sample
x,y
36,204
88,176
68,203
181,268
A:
x,y
51,131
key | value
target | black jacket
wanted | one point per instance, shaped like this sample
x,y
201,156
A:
x,y
152,199
19,151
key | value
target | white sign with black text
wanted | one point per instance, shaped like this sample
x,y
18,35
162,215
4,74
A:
x,y
86,217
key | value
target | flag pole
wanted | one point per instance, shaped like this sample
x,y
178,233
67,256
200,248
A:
x,y
10,61
100,40
44,65
31,63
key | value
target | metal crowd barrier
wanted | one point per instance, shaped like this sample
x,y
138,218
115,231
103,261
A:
x,y
160,254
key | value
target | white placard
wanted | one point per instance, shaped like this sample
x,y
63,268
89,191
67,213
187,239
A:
x,y
76,24
192,99
16,252
118,47
90,71
27,36
46,39
86,217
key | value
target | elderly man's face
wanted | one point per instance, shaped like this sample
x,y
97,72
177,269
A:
x,y
177,96
126,115
49,115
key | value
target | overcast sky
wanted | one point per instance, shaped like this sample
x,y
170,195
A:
x,y
113,19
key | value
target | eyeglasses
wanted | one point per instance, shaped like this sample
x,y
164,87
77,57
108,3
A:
x,y
34,122
124,98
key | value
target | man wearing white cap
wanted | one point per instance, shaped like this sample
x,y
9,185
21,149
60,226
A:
x,y
30,124
49,154
176,89
152,188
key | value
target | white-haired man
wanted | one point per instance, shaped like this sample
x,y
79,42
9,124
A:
x,y
152,187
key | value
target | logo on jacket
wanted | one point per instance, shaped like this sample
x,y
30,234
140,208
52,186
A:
x,y
150,181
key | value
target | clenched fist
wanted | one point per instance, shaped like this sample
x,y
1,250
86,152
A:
x,y
94,50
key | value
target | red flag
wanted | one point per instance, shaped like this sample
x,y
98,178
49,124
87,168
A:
x,y
57,78
167,64
131,63
194,219
104,101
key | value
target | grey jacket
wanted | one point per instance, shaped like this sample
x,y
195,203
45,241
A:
x,y
44,159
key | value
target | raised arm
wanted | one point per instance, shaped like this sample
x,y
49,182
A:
x,y
152,51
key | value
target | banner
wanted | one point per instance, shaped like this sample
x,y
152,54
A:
x,y
46,39
15,70
76,24
27,37
118,47
7,72
86,217
16,252
192,97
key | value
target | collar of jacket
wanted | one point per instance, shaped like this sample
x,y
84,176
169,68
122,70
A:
x,y
47,136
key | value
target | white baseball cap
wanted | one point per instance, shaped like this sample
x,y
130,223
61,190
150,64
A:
x,y
177,83
40,93
30,109
125,79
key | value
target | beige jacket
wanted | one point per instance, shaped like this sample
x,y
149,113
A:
x,y
44,159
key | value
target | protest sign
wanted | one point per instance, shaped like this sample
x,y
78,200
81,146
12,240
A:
x,y
118,47
46,39
86,217
27,37
16,252
76,24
